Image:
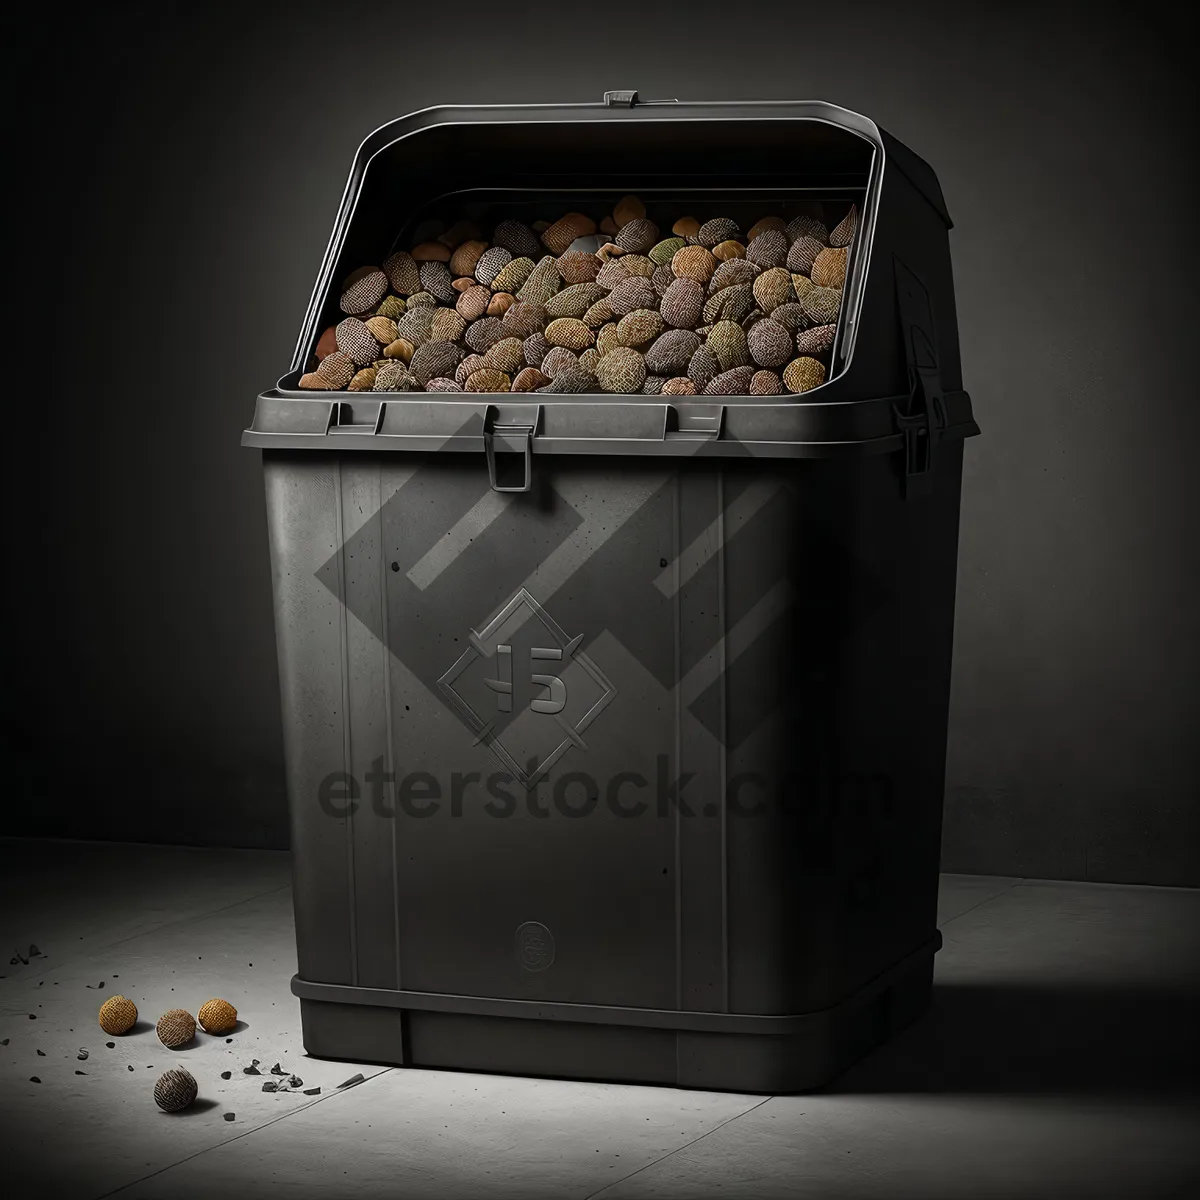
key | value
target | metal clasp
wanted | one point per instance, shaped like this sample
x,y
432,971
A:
x,y
516,438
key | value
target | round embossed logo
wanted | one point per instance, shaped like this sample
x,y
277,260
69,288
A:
x,y
535,946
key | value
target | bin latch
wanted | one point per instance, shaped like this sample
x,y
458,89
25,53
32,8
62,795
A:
x,y
514,473
921,427
620,99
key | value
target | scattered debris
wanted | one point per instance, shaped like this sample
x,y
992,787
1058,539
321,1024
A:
x,y
251,1071
41,1054
229,1116
82,1055
270,1086
110,1045
226,1074
278,1070
34,952
295,1081
34,1079
80,1072
130,1067
4,1043
312,1091
228,1040
351,1082
33,1016
18,958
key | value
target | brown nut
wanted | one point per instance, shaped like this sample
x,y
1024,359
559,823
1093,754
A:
x,y
500,303
431,252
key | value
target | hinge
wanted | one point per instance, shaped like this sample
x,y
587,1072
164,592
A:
x,y
620,99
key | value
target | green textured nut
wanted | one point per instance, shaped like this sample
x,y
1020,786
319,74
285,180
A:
x,y
589,358
719,229
683,303
680,385
529,380
518,239
338,368
487,379
621,371
483,334
578,266
472,303
802,285
732,272
639,327
415,325
574,381
763,225
821,305
392,308
433,360
803,374
570,332
672,352
559,236
491,262
769,249
727,340
606,338
790,316
421,300
637,236
557,360
613,272
355,340
734,382
773,288
729,304
662,253
536,347
599,314
523,318
395,377
447,325
632,293
765,383
513,275
469,364
438,282
703,368
575,300
807,226
842,234
803,254
829,270
465,259
815,341
401,270
769,343
362,290
508,354
694,262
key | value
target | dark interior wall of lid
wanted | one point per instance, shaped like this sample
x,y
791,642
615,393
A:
x,y
180,167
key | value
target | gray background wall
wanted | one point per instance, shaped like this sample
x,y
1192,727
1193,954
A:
x,y
181,171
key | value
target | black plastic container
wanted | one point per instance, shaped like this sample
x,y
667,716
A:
x,y
577,592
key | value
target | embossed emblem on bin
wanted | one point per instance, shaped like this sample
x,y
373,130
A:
x,y
535,946
526,688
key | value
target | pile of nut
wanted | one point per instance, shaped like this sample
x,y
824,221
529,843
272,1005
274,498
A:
x,y
576,306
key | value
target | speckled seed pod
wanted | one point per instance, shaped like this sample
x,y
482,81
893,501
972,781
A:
x,y
175,1090
694,262
435,359
574,381
578,266
536,347
723,251
355,340
790,316
483,334
639,264
830,268
442,385
362,290
612,272
416,323
523,318
727,340
490,264
431,252
806,226
565,230
769,343
575,300
761,226
773,288
682,304
487,379
438,282
637,236
734,382
662,279
518,239
382,329
403,273
217,1016
363,380
500,303
821,305
662,252
507,355
717,230
632,293
392,307
766,383
622,371
606,338
842,234
653,385
118,1014
589,358
512,275
802,285
395,377
542,283
803,374
570,332
557,360
339,368
729,304
679,386
803,254
671,352
401,349
731,272
628,208
314,381
703,367
175,1028
421,300
464,260
769,249
469,364
472,303
599,314
639,327
529,380
815,341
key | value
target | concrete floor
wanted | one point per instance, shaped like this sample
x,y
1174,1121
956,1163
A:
x,y
1059,1060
